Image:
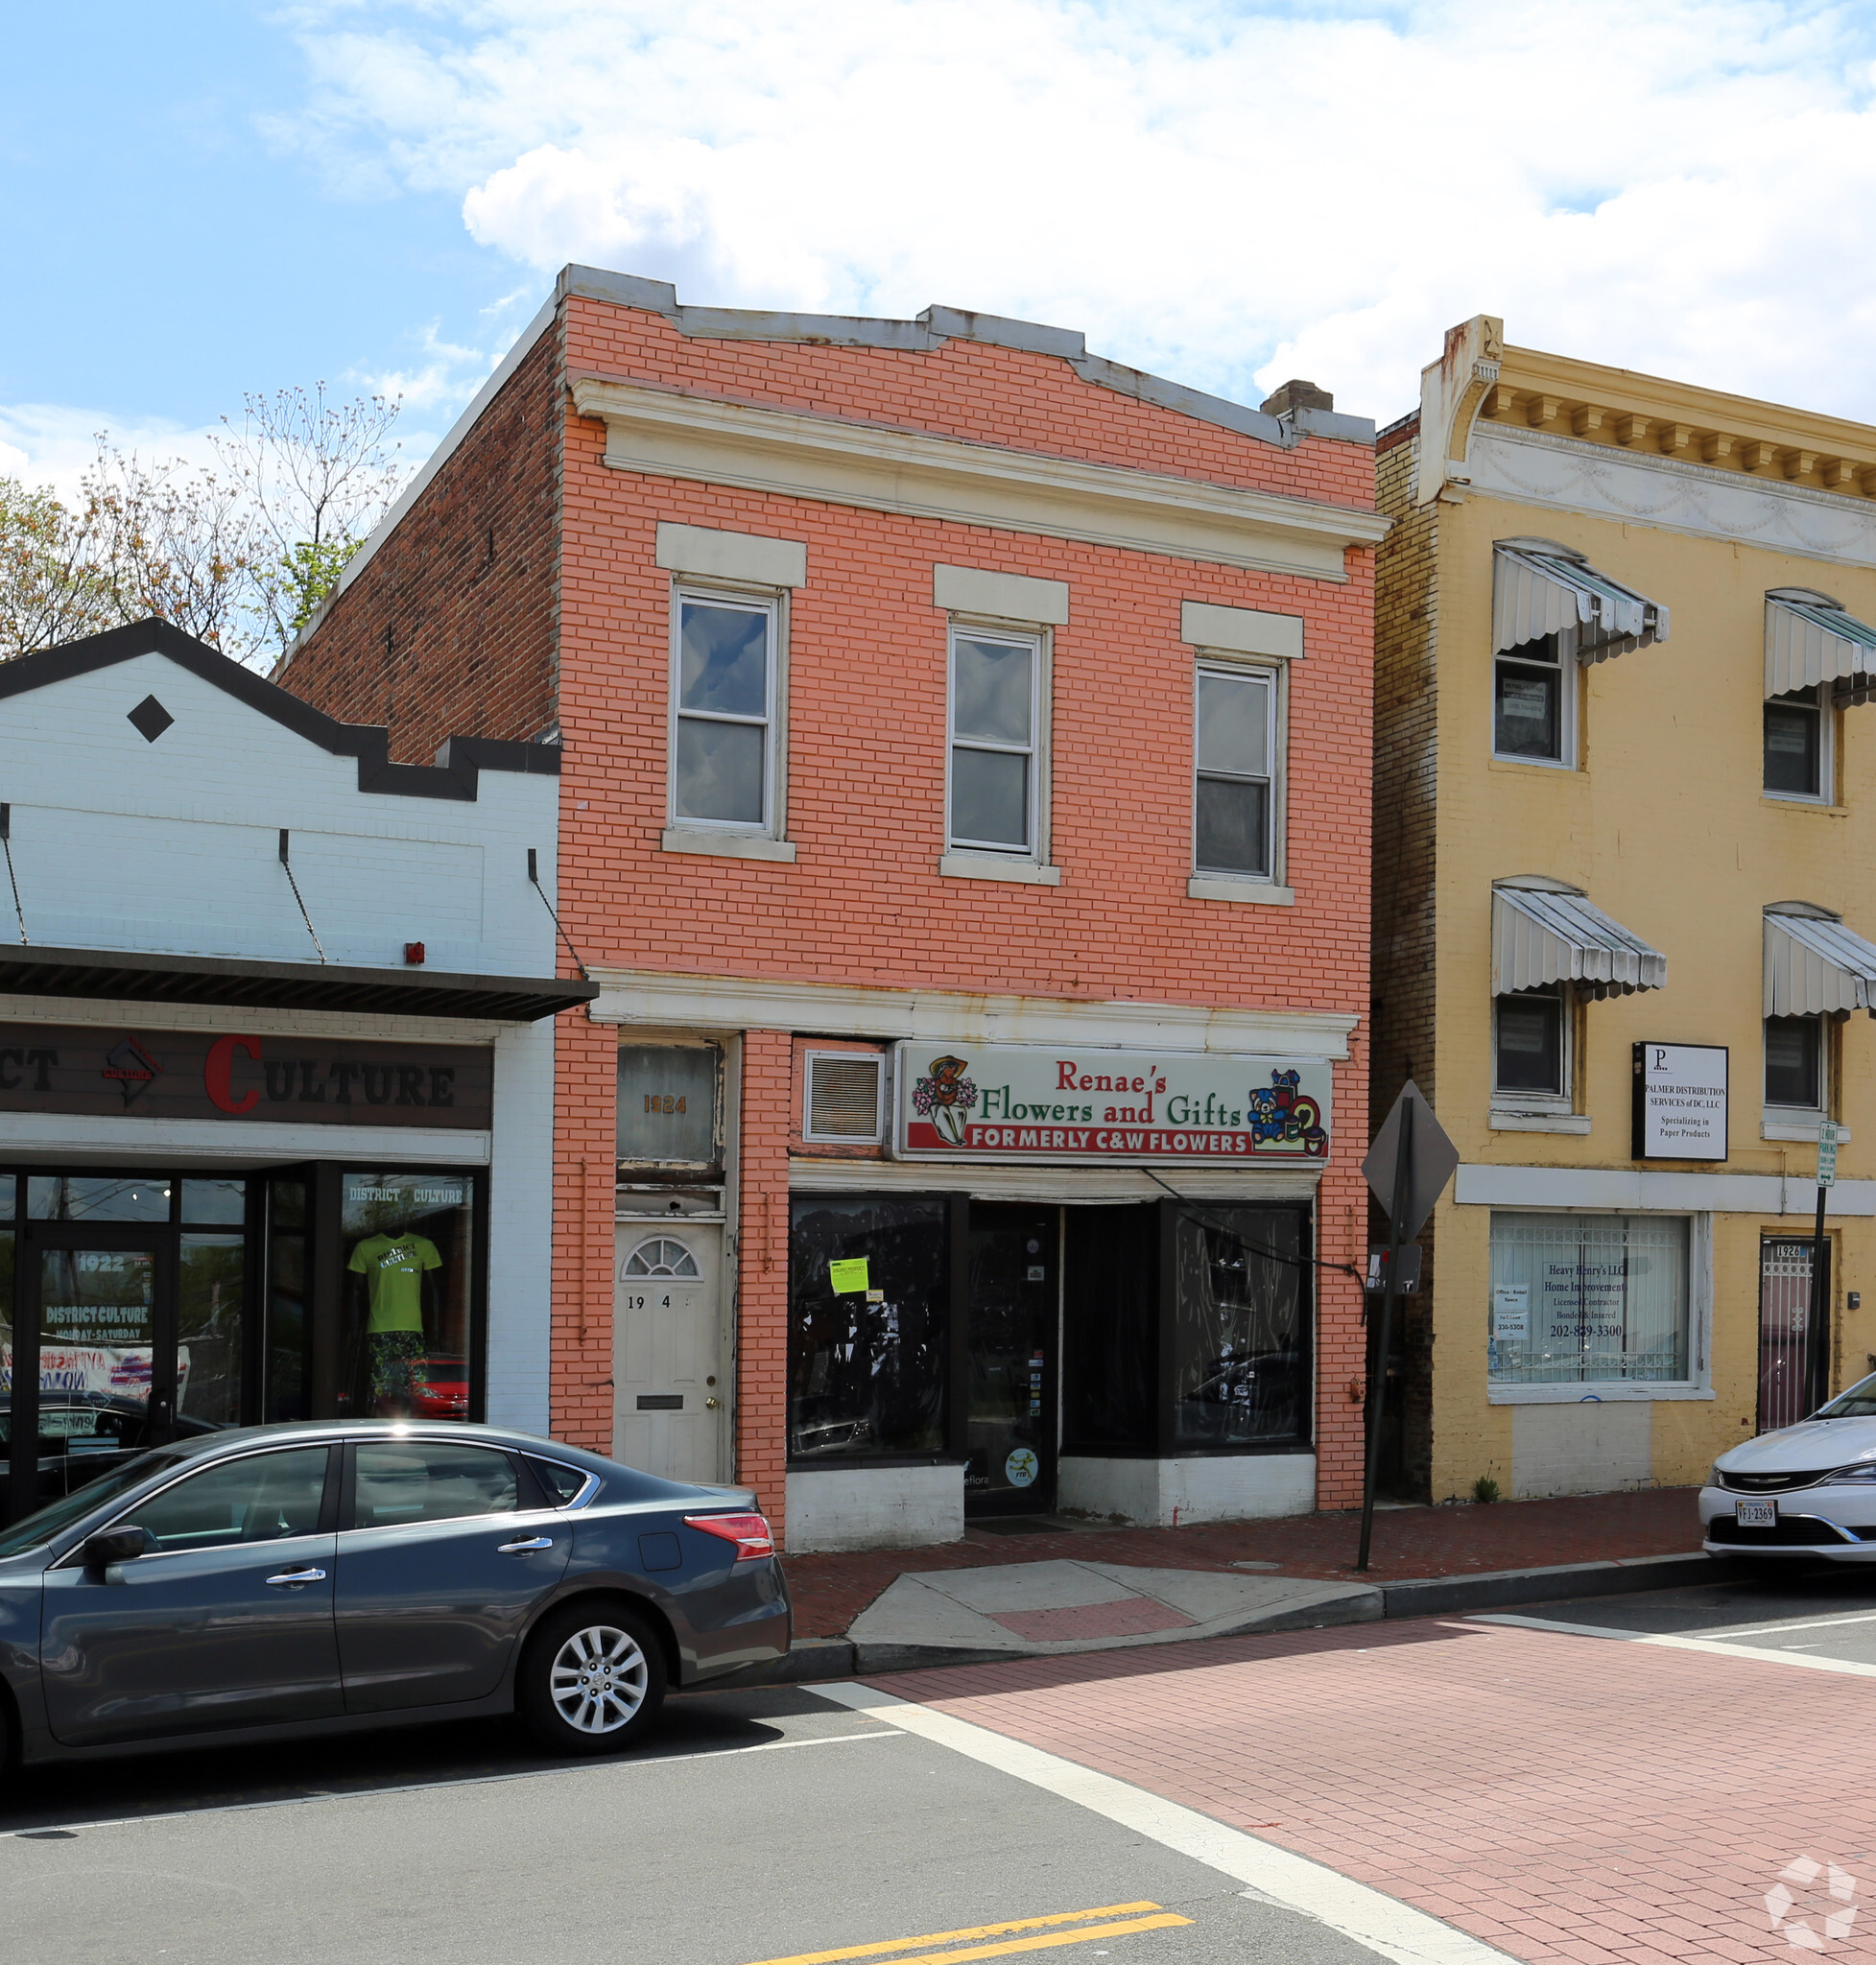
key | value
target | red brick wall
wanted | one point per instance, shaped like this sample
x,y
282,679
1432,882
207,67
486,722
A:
x,y
762,1273
449,628
586,1130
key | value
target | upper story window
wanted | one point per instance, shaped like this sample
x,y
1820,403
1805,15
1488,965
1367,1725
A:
x,y
1795,1063
1819,659
1797,744
1819,972
1531,1053
994,714
725,660
1533,702
1235,754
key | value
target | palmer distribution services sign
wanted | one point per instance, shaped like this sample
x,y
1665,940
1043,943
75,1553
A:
x,y
1031,1101
1680,1102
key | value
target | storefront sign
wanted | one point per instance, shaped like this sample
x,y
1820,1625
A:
x,y
1680,1102
1022,1101
118,1073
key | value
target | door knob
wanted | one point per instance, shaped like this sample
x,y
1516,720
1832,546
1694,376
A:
x,y
711,1405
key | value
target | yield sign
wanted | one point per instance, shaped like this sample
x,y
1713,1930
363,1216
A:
x,y
1431,1159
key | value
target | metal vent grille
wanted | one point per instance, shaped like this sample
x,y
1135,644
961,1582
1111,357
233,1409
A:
x,y
844,1096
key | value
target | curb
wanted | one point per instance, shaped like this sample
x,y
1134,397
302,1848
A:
x,y
812,1659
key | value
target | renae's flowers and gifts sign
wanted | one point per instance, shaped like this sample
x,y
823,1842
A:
x,y
1032,1101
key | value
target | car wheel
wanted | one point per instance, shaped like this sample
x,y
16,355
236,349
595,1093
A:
x,y
593,1679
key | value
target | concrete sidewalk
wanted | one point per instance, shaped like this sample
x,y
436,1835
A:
x,y
1032,1589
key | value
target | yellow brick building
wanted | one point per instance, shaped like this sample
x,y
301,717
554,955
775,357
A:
x,y
1624,865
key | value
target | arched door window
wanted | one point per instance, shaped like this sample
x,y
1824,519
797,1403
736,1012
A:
x,y
660,1256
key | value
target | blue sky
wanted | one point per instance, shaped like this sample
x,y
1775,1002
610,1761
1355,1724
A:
x,y
211,197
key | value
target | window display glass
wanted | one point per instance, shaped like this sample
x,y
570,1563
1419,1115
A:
x,y
867,1366
210,1309
1579,1298
1241,1371
98,1198
283,1391
409,1257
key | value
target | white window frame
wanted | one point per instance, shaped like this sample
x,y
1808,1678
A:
x,y
1508,1102
877,1137
774,605
1277,675
1698,1383
1037,641
1826,791
1566,714
1801,1121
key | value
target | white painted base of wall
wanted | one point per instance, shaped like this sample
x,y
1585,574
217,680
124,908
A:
x,y
874,1507
1162,1494
1580,1448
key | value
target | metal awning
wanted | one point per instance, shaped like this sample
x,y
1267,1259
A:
x,y
1810,639
1540,589
1815,966
238,985
1540,938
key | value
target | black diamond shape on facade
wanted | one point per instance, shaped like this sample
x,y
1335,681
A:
x,y
149,720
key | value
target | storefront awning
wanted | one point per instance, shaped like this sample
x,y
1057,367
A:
x,y
1544,936
1540,589
1815,966
238,985
1810,639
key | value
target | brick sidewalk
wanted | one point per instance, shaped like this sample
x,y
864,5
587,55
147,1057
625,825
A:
x,y
1565,1799
830,1591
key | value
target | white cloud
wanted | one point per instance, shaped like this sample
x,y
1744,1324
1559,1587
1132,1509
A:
x,y
51,443
1223,194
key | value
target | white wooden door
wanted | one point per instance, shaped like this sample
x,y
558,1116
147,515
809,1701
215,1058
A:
x,y
670,1375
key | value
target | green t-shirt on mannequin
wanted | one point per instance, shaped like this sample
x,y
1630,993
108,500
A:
x,y
393,1268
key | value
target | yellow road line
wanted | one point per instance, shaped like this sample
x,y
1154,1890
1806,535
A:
x,y
1077,1936
952,1937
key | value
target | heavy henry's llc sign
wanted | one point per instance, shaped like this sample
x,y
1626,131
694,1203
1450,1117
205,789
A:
x,y
1031,1101
1680,1102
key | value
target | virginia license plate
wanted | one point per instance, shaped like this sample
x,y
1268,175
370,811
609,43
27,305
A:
x,y
1756,1514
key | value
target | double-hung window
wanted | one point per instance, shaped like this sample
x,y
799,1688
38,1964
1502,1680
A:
x,y
1797,745
1235,753
724,765
1798,1055
995,711
1533,702
1531,1047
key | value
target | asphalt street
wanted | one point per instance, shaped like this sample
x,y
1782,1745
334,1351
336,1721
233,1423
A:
x,y
755,1826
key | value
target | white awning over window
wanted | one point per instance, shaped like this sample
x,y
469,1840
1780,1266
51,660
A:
x,y
1539,938
1815,966
1540,589
1810,639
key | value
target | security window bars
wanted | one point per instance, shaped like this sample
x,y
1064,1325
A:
x,y
1533,689
724,662
1235,751
1529,1047
1796,739
1794,1062
1585,1299
994,712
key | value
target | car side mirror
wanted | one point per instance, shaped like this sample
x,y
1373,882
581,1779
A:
x,y
112,1544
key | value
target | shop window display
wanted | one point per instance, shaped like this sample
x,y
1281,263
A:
x,y
408,1257
867,1366
1581,1298
1241,1327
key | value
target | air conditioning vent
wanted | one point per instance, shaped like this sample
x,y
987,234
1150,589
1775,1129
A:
x,y
844,1096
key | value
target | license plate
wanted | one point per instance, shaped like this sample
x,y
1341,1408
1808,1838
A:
x,y
1757,1514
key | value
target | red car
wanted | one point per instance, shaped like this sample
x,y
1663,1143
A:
x,y
440,1388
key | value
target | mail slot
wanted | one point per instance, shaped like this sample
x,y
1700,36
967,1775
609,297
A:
x,y
660,1402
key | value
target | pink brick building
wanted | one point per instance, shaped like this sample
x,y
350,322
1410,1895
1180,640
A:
x,y
964,814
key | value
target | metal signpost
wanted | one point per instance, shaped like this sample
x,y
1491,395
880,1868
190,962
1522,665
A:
x,y
1818,1349
1410,1162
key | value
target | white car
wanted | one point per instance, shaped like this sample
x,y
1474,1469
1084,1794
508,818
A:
x,y
1804,1492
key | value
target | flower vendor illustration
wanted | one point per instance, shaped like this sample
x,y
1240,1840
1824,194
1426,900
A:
x,y
1279,1116
946,1097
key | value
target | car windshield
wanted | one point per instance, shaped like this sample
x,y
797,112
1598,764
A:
x,y
1858,1403
45,1523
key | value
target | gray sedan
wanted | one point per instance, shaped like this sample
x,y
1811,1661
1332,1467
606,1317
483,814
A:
x,y
283,1580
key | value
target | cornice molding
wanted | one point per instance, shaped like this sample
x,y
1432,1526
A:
x,y
837,460
670,1001
1563,474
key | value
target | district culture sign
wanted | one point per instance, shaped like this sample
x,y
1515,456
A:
x,y
1030,1102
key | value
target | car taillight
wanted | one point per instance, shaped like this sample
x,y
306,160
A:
x,y
750,1533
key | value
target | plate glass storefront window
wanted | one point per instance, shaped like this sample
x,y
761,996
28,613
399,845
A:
x,y
868,1377
1587,1298
283,1394
98,1197
1240,1328
1110,1352
210,1324
410,1258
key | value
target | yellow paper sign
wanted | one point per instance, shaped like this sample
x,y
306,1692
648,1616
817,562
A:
x,y
848,1276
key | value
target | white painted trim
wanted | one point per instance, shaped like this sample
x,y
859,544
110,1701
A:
x,y
1603,1392
746,1002
709,553
685,839
1014,869
1394,1929
1615,1189
1797,1131
857,1507
1001,596
1224,887
53,1134
771,606
1241,631
1052,1185
1573,1123
1035,752
878,467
